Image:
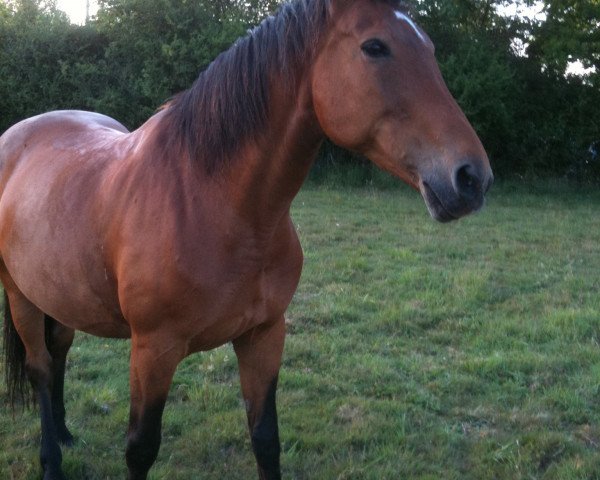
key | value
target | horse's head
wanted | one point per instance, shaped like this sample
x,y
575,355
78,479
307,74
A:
x,y
377,90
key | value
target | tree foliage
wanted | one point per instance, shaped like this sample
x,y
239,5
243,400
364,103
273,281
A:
x,y
507,72
509,75
571,32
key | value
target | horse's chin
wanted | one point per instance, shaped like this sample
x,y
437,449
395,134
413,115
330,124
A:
x,y
436,207
445,205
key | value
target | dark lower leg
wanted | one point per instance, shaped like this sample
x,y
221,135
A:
x,y
259,356
59,339
264,434
29,324
50,454
150,378
143,440
58,405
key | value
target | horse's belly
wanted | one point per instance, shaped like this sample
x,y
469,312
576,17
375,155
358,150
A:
x,y
81,304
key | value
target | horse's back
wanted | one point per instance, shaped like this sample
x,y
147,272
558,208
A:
x,y
56,130
69,120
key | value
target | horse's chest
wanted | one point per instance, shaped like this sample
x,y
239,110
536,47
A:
x,y
248,298
237,288
214,289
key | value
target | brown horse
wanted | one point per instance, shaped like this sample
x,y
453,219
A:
x,y
178,235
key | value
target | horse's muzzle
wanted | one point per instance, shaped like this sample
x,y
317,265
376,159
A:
x,y
463,193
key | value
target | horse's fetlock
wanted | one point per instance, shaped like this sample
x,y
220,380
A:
x,y
141,453
267,449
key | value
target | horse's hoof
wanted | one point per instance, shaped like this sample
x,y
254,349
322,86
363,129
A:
x,y
53,475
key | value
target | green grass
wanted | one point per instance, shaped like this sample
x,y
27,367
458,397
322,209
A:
x,y
415,351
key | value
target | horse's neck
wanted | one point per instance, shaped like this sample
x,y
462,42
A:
x,y
273,166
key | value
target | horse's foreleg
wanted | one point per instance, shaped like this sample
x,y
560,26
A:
x,y
60,339
259,356
153,364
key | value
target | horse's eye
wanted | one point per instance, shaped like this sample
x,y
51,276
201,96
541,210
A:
x,y
375,48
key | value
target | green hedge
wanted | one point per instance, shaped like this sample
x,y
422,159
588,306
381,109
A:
x,y
137,53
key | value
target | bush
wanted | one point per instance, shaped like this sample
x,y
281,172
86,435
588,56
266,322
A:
x,y
532,119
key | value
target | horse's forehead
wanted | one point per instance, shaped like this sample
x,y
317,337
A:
x,y
403,17
366,17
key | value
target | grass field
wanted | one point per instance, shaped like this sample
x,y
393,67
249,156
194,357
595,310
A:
x,y
415,351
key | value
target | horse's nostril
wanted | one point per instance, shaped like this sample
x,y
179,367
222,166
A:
x,y
468,183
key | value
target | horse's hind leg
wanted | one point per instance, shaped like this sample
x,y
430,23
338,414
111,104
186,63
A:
x,y
29,324
59,340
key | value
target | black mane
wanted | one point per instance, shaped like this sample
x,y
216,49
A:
x,y
230,99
